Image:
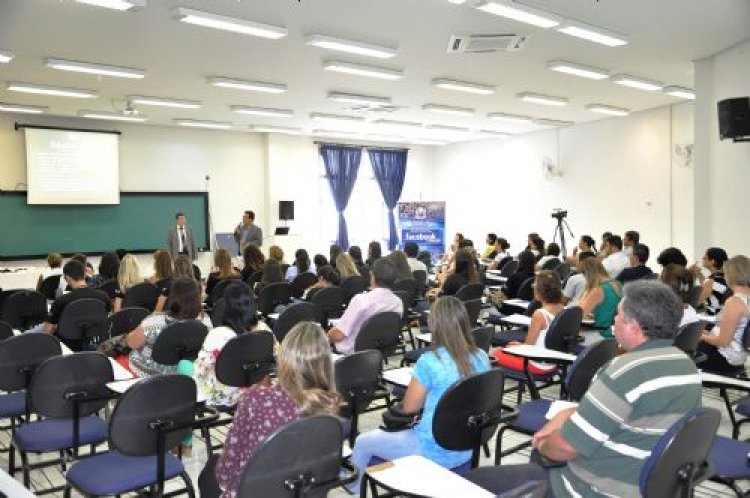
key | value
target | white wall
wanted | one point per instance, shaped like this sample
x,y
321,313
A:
x,y
722,173
616,175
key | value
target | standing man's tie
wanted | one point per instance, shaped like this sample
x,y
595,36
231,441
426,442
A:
x,y
183,246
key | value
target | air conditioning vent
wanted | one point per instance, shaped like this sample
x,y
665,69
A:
x,y
479,44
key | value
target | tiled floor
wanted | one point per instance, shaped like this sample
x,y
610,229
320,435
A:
x,y
194,464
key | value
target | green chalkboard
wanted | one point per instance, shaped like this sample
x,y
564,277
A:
x,y
139,223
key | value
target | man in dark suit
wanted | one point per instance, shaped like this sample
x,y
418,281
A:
x,y
181,240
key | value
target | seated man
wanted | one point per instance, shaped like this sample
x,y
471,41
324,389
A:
x,y
616,260
412,251
363,306
638,269
632,401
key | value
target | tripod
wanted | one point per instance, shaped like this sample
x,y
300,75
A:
x,y
560,231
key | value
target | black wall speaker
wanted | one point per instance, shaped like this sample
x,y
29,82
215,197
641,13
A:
x,y
734,118
286,210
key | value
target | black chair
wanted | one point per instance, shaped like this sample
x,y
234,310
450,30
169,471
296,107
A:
x,y
483,337
408,285
24,309
66,391
143,295
151,417
124,321
274,295
563,270
687,339
473,309
19,358
509,268
82,323
301,283
6,331
678,461
406,315
351,286
180,340
254,278
301,460
330,300
48,287
217,292
420,277
382,331
294,314
694,296
217,312
551,264
358,381
526,290
470,291
531,415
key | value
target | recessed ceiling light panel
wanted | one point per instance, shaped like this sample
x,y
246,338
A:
x,y
520,12
251,86
681,92
5,56
553,122
511,118
52,90
363,70
112,116
608,110
335,118
243,26
196,123
115,4
463,86
536,98
262,111
446,109
636,82
349,98
578,70
351,47
98,69
593,33
391,123
164,102
276,129
23,109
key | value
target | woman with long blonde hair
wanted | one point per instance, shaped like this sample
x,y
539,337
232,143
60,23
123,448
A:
x,y
602,295
346,266
223,269
128,275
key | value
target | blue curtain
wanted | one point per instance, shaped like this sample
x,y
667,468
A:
x,y
389,166
342,165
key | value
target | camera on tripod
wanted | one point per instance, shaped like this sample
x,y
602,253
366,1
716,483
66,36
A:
x,y
559,214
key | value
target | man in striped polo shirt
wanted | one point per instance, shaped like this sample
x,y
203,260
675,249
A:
x,y
632,401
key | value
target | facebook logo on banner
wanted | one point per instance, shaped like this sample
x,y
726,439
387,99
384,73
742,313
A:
x,y
422,237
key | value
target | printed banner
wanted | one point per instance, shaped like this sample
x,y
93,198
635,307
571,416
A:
x,y
424,224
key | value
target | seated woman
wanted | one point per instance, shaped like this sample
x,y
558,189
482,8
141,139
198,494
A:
x,y
374,253
333,254
548,291
319,260
240,316
536,246
128,275
162,277
253,259
403,270
501,254
184,304
585,244
524,272
54,261
223,270
271,275
276,253
490,251
301,265
715,289
328,276
346,266
601,297
724,346
183,268
305,387
109,265
463,271
452,356
680,280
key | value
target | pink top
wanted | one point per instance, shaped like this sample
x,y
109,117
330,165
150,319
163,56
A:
x,y
362,307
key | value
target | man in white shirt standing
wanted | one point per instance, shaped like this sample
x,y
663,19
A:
x,y
616,259
180,240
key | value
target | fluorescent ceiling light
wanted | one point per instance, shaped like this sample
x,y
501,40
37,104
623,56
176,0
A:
x,y
52,90
636,82
351,47
681,92
162,102
335,118
243,26
350,98
262,111
115,4
463,86
608,110
24,109
5,56
521,13
111,116
390,123
511,118
457,2
446,109
363,70
439,127
536,98
553,122
252,86
195,123
276,129
578,70
593,34
493,133
100,69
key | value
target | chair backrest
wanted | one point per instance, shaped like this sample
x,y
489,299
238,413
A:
x,y
589,361
405,303
162,399
82,320
382,331
181,340
24,308
467,414
217,312
217,292
420,277
6,331
694,296
245,359
21,355
330,300
509,268
483,337
124,321
563,331
687,338
526,290
408,285
351,286
302,459
470,291
59,377
301,282
563,270
357,377
473,308
680,455
49,286
143,295
551,264
273,295
254,278
295,313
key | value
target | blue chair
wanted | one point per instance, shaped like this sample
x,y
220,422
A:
x,y
67,391
152,416
531,415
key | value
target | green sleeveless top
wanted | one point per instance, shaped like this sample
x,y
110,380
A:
x,y
604,313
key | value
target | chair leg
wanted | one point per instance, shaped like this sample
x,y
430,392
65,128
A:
x,y
188,484
25,466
